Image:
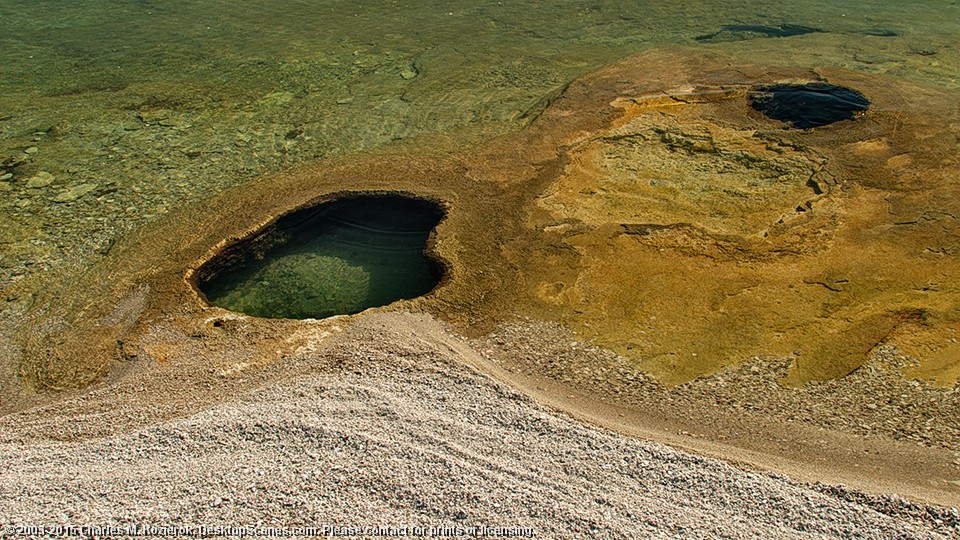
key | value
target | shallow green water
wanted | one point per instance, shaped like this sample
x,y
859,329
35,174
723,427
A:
x,y
132,108
335,259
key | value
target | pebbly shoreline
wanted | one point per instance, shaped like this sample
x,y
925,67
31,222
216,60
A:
x,y
398,432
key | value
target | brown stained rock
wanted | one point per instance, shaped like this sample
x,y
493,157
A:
x,y
707,234
648,207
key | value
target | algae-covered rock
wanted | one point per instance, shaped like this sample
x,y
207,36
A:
x,y
40,180
74,193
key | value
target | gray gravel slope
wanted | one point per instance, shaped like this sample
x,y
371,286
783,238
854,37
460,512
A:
x,y
408,438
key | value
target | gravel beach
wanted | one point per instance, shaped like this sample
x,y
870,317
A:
x,y
399,434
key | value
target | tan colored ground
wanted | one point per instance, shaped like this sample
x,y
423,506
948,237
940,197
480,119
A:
x,y
694,217
647,207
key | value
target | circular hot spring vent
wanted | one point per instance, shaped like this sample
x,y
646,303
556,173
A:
x,y
336,258
808,105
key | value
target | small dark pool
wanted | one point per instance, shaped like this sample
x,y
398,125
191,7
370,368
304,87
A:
x,y
336,258
808,105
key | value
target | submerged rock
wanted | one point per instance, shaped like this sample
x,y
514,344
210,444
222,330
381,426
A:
x,y
75,193
40,180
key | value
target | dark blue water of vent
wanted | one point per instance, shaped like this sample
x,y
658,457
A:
x,y
808,105
337,258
